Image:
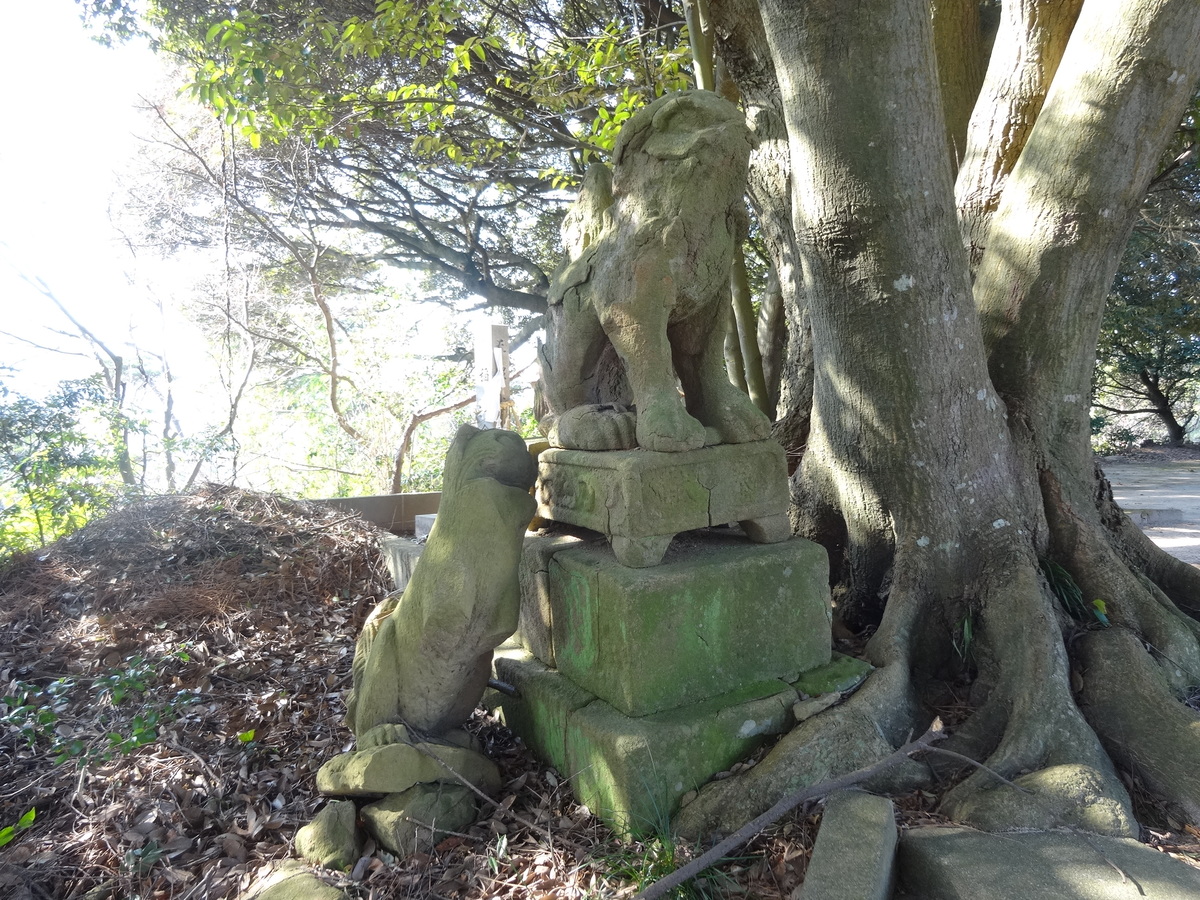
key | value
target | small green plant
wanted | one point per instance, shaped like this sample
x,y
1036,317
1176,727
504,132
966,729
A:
x,y
9,832
964,641
654,858
1070,597
36,712
496,854
118,685
29,713
1065,590
142,859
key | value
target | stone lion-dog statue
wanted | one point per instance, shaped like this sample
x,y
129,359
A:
x,y
639,306
423,659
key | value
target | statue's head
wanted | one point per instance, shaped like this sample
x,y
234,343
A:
x,y
696,125
489,453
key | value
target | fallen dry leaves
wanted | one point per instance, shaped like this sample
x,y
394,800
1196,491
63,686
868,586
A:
x,y
186,660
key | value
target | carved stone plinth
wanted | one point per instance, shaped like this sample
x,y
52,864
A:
x,y
641,499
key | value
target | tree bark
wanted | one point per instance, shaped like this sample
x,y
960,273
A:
x,y
949,439
1029,43
743,48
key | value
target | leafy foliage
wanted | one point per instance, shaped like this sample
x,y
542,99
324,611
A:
x,y
33,712
1149,352
57,464
434,136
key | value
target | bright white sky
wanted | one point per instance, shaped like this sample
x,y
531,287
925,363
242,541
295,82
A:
x,y
71,120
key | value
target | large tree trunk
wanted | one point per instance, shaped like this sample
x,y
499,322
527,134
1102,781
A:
x,y
948,448
743,47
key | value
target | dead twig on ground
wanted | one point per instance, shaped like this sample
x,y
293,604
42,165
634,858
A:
x,y
786,805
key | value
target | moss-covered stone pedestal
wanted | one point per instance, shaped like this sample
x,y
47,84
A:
x,y
641,684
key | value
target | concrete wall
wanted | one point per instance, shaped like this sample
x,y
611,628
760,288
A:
x,y
391,512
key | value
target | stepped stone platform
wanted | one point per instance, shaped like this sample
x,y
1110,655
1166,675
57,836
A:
x,y
641,684
963,864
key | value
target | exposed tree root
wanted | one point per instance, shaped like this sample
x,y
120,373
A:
x,y
1028,727
1044,744
840,740
1177,579
1143,726
1081,543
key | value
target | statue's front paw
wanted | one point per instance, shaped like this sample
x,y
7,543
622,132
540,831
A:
x,y
668,428
387,733
733,415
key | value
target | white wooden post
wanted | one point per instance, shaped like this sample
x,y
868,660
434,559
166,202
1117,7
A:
x,y
491,376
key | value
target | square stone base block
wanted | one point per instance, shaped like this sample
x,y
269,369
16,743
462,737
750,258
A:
x,y
640,499
719,614
633,772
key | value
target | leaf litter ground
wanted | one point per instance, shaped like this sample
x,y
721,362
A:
x,y
174,675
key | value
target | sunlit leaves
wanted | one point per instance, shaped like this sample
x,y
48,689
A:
x,y
461,83
57,464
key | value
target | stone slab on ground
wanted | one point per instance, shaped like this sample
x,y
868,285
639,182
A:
x,y
720,613
641,499
963,864
292,880
391,768
632,772
855,852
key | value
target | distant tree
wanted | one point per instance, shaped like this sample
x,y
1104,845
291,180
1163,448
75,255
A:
x,y
1149,349
58,463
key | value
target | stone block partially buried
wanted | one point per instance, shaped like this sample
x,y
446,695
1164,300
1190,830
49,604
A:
x,y
415,820
717,615
641,499
633,772
854,857
330,840
391,768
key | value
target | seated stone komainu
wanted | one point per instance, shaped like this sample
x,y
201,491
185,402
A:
x,y
638,308
423,659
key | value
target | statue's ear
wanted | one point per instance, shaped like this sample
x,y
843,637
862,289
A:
x,y
456,454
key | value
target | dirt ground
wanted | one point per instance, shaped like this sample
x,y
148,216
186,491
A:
x,y
173,675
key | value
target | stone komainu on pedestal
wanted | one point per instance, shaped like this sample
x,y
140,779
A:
x,y
636,312
642,676
638,307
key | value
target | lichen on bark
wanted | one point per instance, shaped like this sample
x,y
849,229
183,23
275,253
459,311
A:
x,y
948,452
